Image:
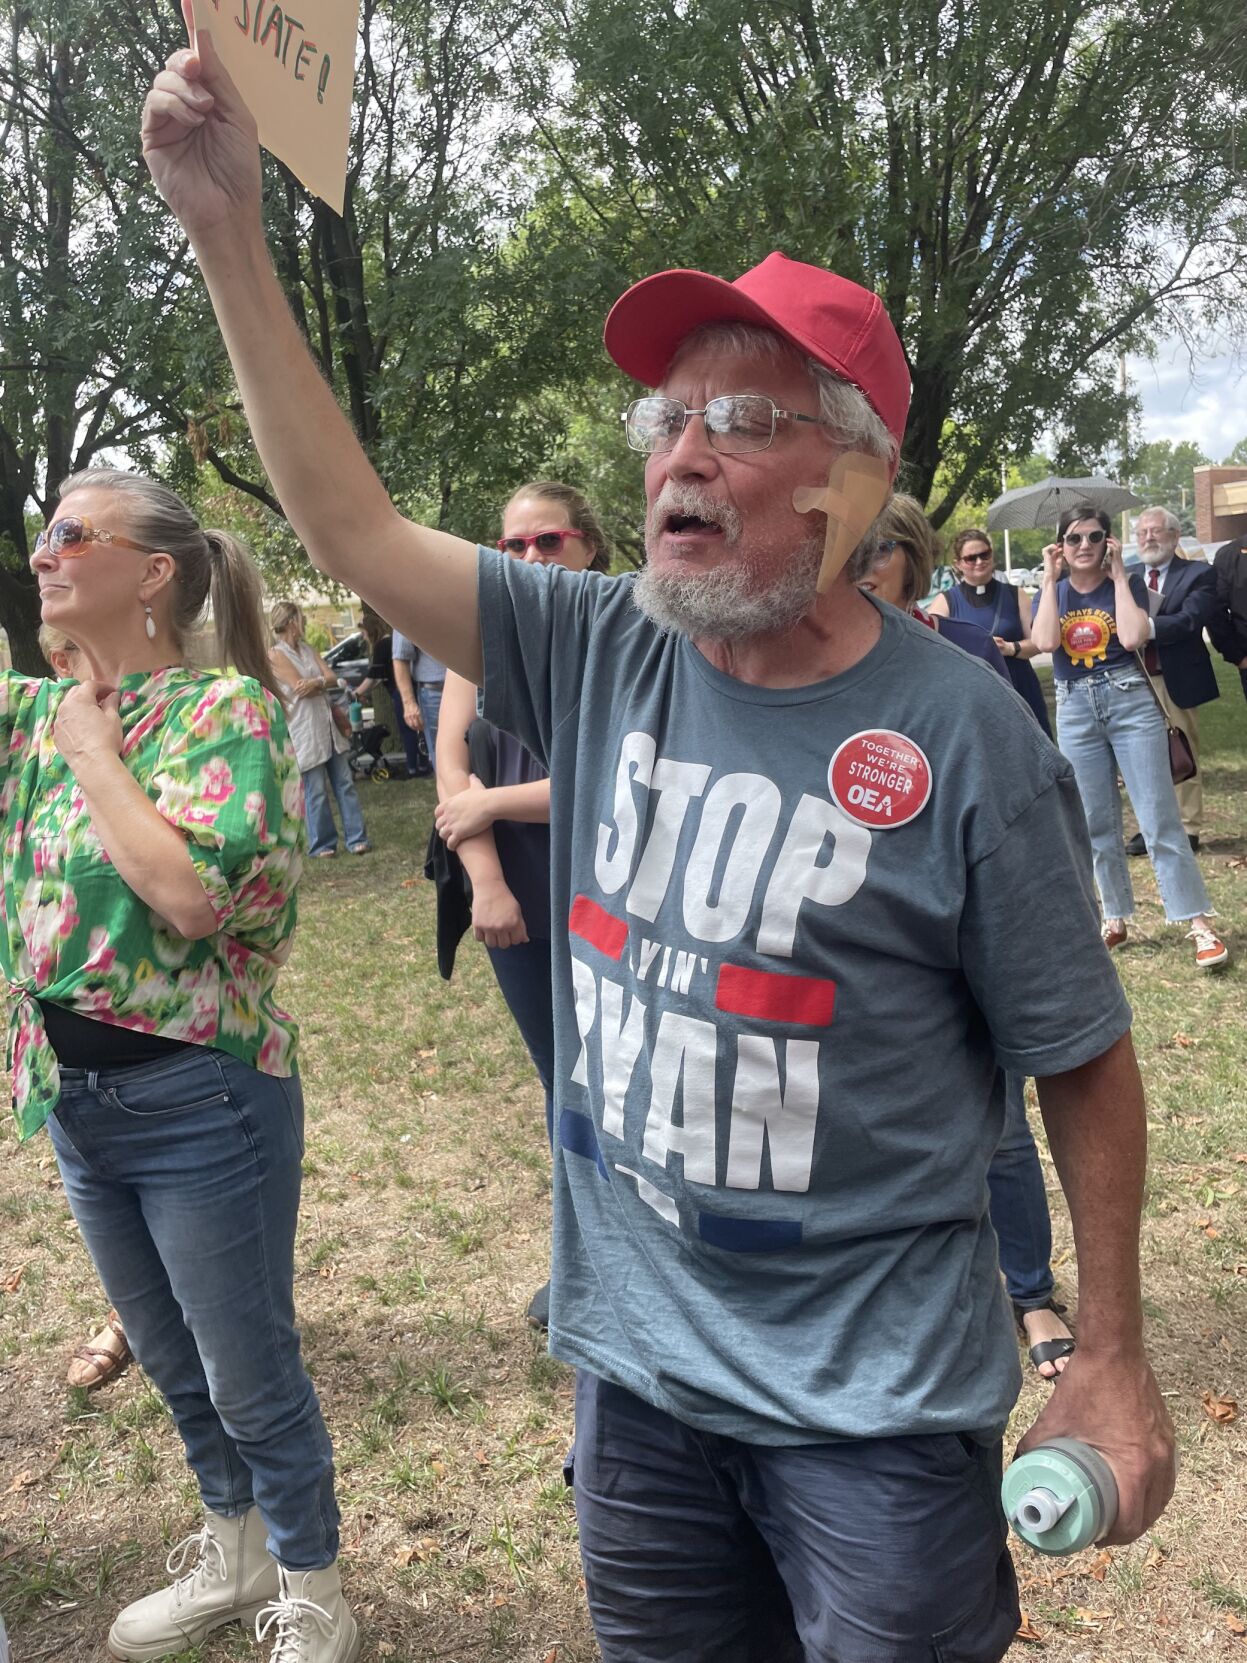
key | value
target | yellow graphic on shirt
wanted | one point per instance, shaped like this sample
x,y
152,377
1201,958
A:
x,y
1086,636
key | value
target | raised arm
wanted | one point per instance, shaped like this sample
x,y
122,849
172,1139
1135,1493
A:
x,y
199,140
1046,624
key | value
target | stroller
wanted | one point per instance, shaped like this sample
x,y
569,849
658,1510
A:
x,y
366,757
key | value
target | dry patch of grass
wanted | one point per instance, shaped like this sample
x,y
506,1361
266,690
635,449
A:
x,y
424,1233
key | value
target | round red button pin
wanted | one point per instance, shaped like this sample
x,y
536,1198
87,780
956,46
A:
x,y
880,778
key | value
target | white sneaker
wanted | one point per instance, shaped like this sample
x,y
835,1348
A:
x,y
310,1618
232,1577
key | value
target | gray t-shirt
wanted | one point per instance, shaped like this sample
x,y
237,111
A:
x,y
798,932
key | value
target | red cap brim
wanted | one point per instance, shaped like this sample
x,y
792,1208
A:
x,y
647,323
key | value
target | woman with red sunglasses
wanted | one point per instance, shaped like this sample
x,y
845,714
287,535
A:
x,y
151,818
501,831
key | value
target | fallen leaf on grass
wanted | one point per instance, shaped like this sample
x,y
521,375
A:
x,y
1208,1227
1221,1409
1028,1631
419,1553
13,1280
1088,1619
1156,1555
499,1599
552,1656
23,1481
438,1468
1100,1569
1180,1042
410,883
1235,1624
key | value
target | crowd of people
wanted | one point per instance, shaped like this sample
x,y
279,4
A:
x,y
718,826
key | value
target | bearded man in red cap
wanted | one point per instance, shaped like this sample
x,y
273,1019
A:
x,y
788,831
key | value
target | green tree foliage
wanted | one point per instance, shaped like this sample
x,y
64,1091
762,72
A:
x,y
1030,184
102,325
1163,474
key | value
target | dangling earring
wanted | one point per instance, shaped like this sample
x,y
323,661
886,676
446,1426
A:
x,y
149,624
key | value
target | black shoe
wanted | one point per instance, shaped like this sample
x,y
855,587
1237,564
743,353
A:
x,y
1135,845
1193,840
538,1312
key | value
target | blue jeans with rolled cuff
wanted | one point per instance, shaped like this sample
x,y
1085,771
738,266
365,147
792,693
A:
x,y
184,1177
1105,724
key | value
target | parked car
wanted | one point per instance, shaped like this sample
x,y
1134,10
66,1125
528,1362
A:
x,y
349,658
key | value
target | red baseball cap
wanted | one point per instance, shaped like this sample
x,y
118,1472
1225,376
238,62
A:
x,y
835,322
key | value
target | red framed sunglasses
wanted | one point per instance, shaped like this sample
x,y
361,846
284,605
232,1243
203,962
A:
x,y
545,542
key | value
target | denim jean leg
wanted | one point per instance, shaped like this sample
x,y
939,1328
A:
x,y
1019,1205
524,977
110,1217
1083,738
212,1151
1142,748
322,834
430,701
408,737
339,770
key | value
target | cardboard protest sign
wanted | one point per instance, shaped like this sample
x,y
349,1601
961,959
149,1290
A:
x,y
296,75
857,488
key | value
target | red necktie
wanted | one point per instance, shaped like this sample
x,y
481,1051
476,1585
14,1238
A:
x,y
1151,663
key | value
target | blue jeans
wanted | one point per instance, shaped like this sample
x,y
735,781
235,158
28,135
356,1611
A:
x,y
408,737
523,974
699,1548
1105,724
322,834
1019,1205
184,1177
429,698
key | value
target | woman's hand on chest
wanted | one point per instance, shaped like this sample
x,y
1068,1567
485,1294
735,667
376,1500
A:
x,y
88,724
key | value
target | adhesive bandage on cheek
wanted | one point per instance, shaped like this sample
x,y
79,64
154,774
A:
x,y
857,488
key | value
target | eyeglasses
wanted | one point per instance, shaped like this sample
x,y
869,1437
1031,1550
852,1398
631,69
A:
x,y
885,548
545,542
735,423
1074,538
973,559
71,536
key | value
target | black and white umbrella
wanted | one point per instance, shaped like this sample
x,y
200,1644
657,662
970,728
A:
x,y
1027,507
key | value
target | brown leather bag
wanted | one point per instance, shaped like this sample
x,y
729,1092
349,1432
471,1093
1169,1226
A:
x,y
1182,764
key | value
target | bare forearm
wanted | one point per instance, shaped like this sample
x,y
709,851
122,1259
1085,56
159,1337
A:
x,y
402,679
529,804
1097,1130
423,580
148,853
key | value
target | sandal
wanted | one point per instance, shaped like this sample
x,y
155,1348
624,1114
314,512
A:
x,y
361,848
1045,1351
102,1358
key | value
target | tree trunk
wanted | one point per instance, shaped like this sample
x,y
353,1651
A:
x,y
19,616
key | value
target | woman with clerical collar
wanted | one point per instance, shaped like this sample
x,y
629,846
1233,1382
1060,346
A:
x,y
981,599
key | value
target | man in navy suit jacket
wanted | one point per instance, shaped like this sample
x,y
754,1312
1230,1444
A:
x,y
1183,602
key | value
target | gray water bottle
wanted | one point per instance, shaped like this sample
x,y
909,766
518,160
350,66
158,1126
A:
x,y
1060,1497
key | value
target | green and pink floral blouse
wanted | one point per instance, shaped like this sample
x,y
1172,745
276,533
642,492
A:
x,y
213,754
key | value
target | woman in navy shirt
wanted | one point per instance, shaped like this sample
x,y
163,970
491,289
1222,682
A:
x,y
981,600
1094,622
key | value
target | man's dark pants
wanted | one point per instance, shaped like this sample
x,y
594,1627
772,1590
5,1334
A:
x,y
702,1549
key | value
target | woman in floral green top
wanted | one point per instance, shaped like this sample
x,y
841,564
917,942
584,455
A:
x,y
152,840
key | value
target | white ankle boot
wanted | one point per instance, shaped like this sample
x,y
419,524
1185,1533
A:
x,y
231,1577
310,1619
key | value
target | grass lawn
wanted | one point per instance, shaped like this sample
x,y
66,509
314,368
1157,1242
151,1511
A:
x,y
424,1233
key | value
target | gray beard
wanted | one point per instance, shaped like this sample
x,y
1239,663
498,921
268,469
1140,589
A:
x,y
725,604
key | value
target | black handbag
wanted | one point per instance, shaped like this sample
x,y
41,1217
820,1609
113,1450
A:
x,y
1182,764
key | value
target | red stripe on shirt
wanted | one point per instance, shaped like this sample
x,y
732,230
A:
x,y
595,925
772,996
